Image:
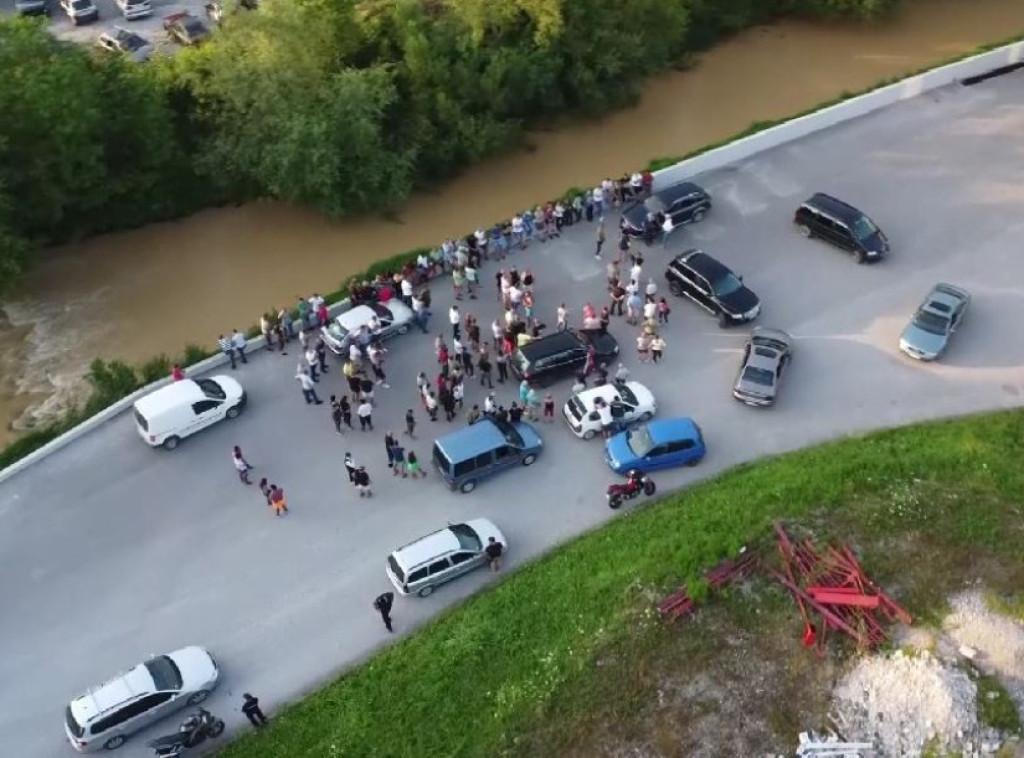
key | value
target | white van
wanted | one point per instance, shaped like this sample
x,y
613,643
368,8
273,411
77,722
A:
x,y
183,408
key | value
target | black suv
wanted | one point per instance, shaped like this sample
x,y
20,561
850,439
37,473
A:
x,y
712,286
684,202
560,354
842,225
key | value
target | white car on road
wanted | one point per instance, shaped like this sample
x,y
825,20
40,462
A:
x,y
133,9
105,716
392,317
182,408
629,402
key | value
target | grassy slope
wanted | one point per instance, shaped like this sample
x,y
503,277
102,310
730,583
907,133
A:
x,y
514,665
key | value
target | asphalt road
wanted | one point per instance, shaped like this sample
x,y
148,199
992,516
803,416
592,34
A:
x,y
111,551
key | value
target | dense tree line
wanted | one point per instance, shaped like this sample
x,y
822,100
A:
x,y
343,105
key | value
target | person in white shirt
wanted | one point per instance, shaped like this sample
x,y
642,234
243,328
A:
x,y
636,184
604,413
652,288
355,354
634,275
515,297
407,292
490,404
239,342
650,310
312,363
308,389
562,316
455,319
666,229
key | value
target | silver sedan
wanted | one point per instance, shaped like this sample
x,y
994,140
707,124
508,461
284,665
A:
x,y
765,358
927,335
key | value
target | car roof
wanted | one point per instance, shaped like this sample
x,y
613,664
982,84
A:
x,y
122,688
676,191
669,429
703,264
426,548
170,396
946,294
834,206
765,357
556,342
472,440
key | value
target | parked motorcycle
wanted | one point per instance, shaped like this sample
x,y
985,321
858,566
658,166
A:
x,y
637,483
193,730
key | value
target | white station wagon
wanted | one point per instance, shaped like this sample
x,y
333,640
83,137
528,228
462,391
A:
x,y
630,402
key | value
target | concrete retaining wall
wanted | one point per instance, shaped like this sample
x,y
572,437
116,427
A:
x,y
734,152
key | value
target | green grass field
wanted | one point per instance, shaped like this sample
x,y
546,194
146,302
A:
x,y
565,654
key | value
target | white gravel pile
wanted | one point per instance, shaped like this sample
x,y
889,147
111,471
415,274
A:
x,y
997,640
900,702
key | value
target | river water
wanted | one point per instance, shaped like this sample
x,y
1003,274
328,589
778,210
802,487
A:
x,y
135,294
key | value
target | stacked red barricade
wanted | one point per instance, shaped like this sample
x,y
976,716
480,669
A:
x,y
680,604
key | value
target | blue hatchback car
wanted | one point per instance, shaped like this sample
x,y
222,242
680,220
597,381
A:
x,y
656,445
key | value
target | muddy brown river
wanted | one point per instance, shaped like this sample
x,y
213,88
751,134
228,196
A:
x,y
135,294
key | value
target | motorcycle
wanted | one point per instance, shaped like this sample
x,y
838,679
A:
x,y
193,730
633,486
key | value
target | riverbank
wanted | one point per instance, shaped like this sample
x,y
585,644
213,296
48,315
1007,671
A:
x,y
567,657
131,295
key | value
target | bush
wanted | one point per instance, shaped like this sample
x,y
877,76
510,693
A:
x,y
154,369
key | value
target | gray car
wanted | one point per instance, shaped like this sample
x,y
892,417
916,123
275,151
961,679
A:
x,y
941,313
765,357
127,43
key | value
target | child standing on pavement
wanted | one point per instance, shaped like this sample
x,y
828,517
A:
x,y
413,466
549,408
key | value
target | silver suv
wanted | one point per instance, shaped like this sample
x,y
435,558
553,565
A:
x,y
430,561
105,716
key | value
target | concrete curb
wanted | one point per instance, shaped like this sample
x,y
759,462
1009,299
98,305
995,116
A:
x,y
734,152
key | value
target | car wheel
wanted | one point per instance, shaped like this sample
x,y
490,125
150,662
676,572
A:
x,y
805,231
114,742
467,486
589,434
197,697
233,411
693,462
675,288
426,591
861,258
216,728
698,215
646,416
529,459
723,320
171,442
403,329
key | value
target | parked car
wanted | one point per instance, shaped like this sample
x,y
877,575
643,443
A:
x,y
547,359
842,225
712,286
927,335
629,402
656,445
684,202
32,7
105,716
126,43
395,317
182,408
80,11
421,566
464,457
185,29
765,358
133,9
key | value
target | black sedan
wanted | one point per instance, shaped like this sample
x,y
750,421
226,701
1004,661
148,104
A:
x,y
712,286
684,202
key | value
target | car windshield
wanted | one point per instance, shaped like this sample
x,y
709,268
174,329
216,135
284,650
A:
x,y
440,459
73,726
165,673
194,28
468,539
337,331
627,395
654,205
211,389
132,43
931,322
396,569
509,432
81,5
639,440
756,375
726,285
864,228
576,408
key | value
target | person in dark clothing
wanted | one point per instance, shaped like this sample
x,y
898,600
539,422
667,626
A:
x,y
502,413
502,363
494,550
251,709
321,355
515,413
467,361
448,403
336,416
484,364
410,423
389,447
383,605
346,411
351,468
353,385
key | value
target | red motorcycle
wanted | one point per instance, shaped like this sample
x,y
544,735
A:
x,y
636,483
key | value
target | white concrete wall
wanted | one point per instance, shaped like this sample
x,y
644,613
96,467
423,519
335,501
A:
x,y
727,154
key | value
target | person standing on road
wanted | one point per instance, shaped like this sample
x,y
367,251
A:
x,y
265,489
336,416
549,408
430,400
501,361
365,413
383,605
321,354
657,347
494,550
410,423
389,447
241,465
312,363
239,342
484,364
308,389
350,467
228,348
667,227
177,373
277,500
346,411
663,311
455,319
363,482
251,709
413,466
398,454
600,238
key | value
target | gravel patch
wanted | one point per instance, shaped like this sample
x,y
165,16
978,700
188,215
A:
x,y
997,640
900,702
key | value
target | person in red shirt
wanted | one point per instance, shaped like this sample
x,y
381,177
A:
x,y
177,373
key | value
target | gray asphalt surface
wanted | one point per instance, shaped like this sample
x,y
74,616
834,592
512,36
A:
x,y
111,551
